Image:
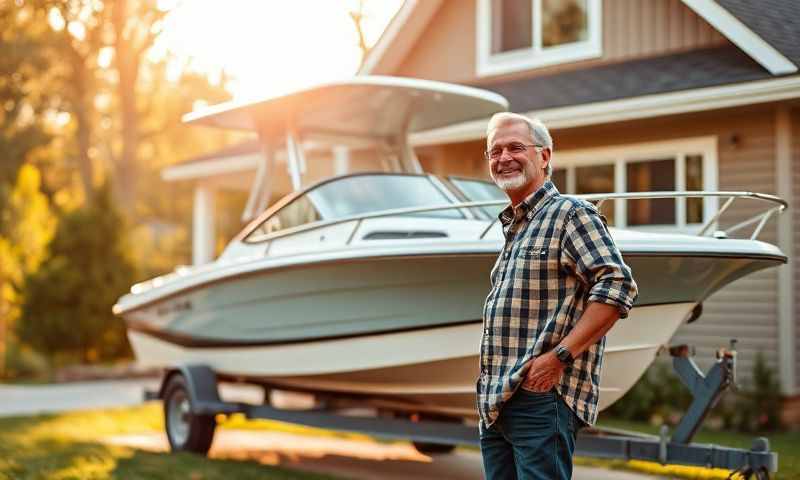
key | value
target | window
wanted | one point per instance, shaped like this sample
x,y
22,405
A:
x,y
682,165
651,176
299,212
559,179
515,35
596,179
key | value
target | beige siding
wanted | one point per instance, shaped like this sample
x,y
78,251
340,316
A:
x,y
746,309
795,212
446,50
633,28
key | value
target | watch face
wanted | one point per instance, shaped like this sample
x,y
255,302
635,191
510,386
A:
x,y
563,354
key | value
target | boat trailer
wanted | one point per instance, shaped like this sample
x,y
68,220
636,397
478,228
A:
x,y
192,401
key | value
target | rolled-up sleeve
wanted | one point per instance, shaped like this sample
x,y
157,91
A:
x,y
587,247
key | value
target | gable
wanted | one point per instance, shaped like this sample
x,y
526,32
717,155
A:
x,y
446,49
444,45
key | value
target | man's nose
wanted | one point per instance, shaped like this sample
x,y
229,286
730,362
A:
x,y
505,156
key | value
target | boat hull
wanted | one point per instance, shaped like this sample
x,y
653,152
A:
x,y
402,330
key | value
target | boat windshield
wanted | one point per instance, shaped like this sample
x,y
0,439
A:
x,y
480,191
362,194
357,195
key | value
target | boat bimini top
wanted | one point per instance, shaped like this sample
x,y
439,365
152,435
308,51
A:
x,y
362,112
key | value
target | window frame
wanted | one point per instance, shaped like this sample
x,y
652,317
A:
x,y
488,63
621,155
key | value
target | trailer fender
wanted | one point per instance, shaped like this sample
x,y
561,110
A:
x,y
201,382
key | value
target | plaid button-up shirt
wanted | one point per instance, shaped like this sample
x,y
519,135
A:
x,y
558,257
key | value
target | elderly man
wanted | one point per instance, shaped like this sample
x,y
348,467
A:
x,y
557,287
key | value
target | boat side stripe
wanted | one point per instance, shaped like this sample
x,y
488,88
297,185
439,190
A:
x,y
196,342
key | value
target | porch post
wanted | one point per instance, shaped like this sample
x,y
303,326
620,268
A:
x,y
783,180
341,160
203,224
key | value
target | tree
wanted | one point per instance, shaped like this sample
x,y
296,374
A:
x,y
136,25
26,228
67,307
358,22
23,88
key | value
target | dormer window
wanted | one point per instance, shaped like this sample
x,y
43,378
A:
x,y
516,35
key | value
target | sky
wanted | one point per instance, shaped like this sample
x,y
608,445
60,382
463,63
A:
x,y
271,47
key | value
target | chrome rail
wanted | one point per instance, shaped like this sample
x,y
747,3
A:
x,y
761,218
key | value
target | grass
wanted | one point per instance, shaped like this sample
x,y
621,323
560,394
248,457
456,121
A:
x,y
70,446
784,443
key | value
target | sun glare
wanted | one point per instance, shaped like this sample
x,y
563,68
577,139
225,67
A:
x,y
271,47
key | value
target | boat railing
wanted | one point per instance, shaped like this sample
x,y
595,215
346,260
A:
x,y
778,206
775,205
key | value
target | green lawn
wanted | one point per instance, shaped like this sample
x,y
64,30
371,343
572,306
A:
x,y
69,446
786,444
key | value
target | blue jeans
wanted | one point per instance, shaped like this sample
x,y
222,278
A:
x,y
533,438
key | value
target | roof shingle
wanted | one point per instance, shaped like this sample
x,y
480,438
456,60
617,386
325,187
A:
x,y
668,73
775,21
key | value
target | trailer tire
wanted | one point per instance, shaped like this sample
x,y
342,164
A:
x,y
428,448
186,432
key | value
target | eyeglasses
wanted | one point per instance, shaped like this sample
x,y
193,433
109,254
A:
x,y
512,148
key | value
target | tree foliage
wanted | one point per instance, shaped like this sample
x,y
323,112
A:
x,y
24,91
26,228
67,307
83,100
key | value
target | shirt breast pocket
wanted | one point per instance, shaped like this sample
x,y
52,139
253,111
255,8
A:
x,y
538,262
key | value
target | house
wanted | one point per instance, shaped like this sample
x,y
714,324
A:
x,y
639,95
654,95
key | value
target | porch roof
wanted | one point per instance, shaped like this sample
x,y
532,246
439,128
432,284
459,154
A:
x,y
665,74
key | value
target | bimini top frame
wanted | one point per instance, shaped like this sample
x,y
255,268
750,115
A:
x,y
376,111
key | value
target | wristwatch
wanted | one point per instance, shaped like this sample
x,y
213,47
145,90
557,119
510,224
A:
x,y
562,353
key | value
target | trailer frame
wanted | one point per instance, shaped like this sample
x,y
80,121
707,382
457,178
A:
x,y
200,383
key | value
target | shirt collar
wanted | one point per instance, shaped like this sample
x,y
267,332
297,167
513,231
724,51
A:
x,y
531,204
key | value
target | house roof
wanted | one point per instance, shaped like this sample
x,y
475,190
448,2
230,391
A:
x,y
243,148
669,73
768,31
776,21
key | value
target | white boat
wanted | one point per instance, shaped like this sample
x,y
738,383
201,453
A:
x,y
370,286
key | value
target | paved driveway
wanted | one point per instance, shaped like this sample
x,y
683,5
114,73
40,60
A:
x,y
33,399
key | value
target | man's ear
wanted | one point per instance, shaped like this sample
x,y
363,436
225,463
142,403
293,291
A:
x,y
546,157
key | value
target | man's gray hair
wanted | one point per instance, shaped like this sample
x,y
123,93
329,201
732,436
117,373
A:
x,y
539,133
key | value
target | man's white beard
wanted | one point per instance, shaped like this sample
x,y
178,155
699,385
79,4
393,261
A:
x,y
511,183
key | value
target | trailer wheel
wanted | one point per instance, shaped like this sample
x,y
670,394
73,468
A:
x,y
428,448
186,431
